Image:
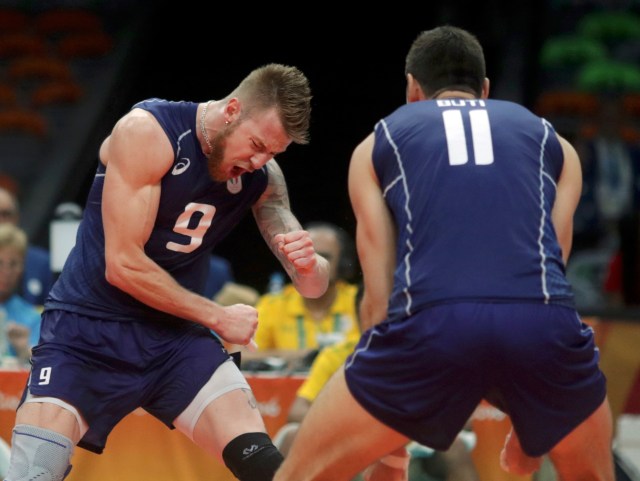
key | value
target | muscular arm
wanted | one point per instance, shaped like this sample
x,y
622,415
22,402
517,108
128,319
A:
x,y
567,197
137,155
282,232
375,234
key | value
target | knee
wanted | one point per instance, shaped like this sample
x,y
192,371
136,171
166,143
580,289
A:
x,y
39,453
252,457
591,465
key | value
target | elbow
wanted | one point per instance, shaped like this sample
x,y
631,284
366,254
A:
x,y
115,274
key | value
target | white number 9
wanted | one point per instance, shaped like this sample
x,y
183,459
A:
x,y
45,375
197,233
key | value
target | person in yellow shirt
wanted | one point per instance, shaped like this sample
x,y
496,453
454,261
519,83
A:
x,y
324,365
294,328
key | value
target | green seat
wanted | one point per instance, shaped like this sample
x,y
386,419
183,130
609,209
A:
x,y
570,50
610,27
609,76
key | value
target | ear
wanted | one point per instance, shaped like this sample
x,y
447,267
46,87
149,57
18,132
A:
x,y
414,91
485,89
232,109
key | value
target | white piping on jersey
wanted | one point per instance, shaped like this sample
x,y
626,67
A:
x,y
543,256
179,148
586,328
402,177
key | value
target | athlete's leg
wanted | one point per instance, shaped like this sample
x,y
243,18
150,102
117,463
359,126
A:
x,y
337,438
224,420
514,460
586,452
392,467
53,414
43,440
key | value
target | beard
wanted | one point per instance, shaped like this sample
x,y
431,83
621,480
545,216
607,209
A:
x,y
218,149
214,161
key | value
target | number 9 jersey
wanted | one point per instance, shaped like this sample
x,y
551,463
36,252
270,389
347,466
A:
x,y
194,214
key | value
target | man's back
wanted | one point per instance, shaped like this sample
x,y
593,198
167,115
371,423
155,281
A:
x,y
479,179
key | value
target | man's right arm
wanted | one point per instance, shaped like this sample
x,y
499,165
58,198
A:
x,y
137,155
375,235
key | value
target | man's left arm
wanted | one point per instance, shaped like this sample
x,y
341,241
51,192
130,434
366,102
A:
x,y
284,235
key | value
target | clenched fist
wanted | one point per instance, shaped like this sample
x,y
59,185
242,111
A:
x,y
297,246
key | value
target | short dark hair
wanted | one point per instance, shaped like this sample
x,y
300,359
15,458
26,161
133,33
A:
x,y
348,262
284,87
446,58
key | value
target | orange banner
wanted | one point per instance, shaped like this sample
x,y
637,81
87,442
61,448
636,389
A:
x,y
140,447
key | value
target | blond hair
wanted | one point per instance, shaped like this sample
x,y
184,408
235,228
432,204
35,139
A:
x,y
13,236
281,87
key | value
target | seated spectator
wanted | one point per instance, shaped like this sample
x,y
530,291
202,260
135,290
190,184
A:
x,y
21,319
37,278
220,272
294,328
422,463
234,293
610,156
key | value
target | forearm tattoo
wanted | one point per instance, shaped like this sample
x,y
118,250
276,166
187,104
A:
x,y
273,213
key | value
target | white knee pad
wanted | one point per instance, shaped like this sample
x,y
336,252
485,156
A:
x,y
224,379
38,453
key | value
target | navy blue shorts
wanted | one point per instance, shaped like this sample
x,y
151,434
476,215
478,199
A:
x,y
424,376
106,369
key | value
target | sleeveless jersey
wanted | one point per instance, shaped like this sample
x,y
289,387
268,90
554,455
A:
x,y
194,214
470,185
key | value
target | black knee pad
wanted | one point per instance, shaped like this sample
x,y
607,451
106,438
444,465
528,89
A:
x,y
252,457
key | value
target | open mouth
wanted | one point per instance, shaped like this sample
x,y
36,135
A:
x,y
237,171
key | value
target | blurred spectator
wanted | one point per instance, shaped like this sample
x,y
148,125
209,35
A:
x,y
220,272
609,150
21,320
622,280
610,156
37,278
234,293
294,328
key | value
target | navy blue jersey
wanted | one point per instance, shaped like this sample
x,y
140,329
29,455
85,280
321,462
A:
x,y
471,185
194,214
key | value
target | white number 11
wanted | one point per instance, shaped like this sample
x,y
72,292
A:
x,y
457,139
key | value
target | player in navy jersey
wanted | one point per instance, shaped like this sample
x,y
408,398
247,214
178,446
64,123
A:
x,y
464,209
126,324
